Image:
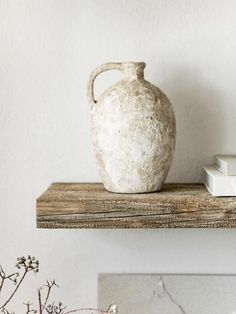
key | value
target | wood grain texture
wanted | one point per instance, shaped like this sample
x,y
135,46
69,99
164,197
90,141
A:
x,y
89,205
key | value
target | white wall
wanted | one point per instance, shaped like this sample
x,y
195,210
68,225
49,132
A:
x,y
47,50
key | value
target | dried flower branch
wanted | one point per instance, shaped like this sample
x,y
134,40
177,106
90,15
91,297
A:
x,y
49,287
24,265
28,264
43,305
3,276
55,309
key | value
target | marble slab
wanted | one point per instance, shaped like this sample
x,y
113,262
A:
x,y
168,294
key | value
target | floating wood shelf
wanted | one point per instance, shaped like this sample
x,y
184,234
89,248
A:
x,y
89,205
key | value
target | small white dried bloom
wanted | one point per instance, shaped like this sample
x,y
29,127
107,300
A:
x,y
113,308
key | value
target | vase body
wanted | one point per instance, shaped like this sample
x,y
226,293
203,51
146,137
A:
x,y
133,131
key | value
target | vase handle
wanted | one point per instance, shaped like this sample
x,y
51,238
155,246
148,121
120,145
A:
x,y
102,68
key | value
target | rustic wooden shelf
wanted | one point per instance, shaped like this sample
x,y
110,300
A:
x,y
89,205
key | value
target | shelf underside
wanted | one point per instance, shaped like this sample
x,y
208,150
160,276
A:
x,y
89,205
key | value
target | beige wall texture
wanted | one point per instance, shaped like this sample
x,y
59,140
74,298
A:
x,y
47,51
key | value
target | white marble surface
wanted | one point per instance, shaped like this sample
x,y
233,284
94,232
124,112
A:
x,y
168,294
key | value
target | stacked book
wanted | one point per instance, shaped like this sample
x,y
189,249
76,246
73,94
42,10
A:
x,y
220,179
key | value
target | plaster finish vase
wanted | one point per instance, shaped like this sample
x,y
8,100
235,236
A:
x,y
133,131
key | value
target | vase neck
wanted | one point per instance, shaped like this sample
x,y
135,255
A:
x,y
133,70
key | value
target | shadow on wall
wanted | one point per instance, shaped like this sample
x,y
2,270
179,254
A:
x,y
200,124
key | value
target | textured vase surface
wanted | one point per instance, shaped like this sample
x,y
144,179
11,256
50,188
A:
x,y
133,131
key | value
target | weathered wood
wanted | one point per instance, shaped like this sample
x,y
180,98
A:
x,y
89,205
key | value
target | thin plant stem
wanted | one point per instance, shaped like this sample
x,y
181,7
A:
x,y
40,302
47,297
1,284
49,286
2,275
16,288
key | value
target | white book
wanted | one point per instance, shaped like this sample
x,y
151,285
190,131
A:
x,y
219,184
226,164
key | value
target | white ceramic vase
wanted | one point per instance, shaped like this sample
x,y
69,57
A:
x,y
133,131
